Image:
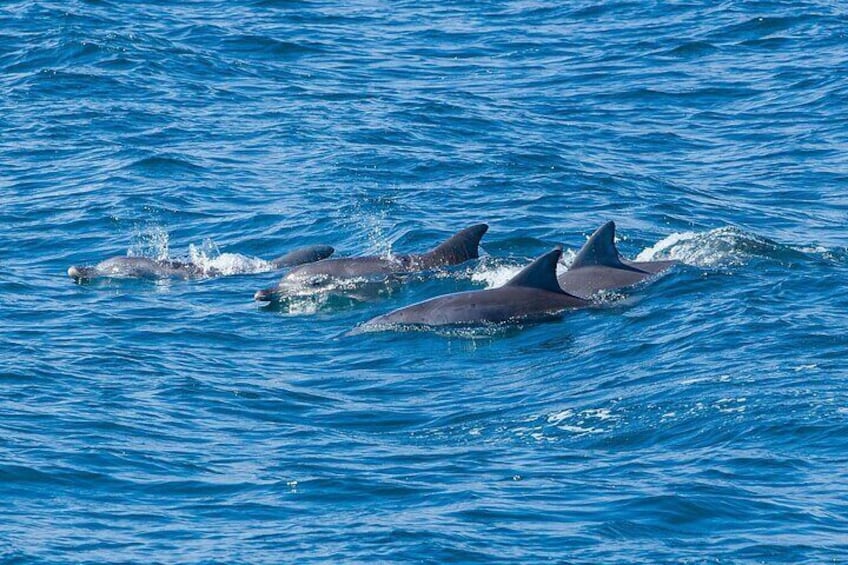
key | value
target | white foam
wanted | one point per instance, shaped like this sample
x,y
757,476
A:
x,y
558,417
599,413
581,423
698,380
657,250
495,275
579,430
818,249
731,405
211,261
721,246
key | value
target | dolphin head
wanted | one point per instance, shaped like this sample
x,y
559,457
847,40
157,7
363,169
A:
x,y
267,294
82,274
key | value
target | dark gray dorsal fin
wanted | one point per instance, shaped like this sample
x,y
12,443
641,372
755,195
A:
x,y
540,274
302,255
599,250
461,247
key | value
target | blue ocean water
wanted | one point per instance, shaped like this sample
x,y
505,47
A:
x,y
699,419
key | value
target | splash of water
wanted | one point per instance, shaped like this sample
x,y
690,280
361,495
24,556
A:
x,y
725,246
493,276
493,273
370,217
209,259
151,241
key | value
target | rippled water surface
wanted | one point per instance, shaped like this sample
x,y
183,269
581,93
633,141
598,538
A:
x,y
700,419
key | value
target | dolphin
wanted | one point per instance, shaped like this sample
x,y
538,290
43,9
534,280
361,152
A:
x,y
133,267
532,294
461,247
145,268
598,266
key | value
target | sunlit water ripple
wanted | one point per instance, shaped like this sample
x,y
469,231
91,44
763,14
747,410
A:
x,y
699,419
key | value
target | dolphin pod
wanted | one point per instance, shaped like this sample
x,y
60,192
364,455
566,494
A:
x,y
534,293
145,268
461,247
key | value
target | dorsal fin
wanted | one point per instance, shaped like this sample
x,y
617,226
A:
x,y
599,250
302,255
461,247
541,273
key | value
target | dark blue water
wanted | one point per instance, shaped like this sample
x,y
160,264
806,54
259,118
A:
x,y
701,419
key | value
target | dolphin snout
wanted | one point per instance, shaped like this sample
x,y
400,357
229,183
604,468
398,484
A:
x,y
265,295
79,273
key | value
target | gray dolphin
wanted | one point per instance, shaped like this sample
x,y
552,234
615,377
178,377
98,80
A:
x,y
598,266
133,267
464,245
145,268
532,294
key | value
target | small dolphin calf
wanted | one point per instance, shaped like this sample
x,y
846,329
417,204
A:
x,y
144,268
598,266
133,267
532,294
463,246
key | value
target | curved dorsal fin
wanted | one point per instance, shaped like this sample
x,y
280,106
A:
x,y
302,255
599,250
461,247
540,274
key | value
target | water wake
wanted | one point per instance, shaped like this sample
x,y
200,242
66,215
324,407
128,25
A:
x,y
725,246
